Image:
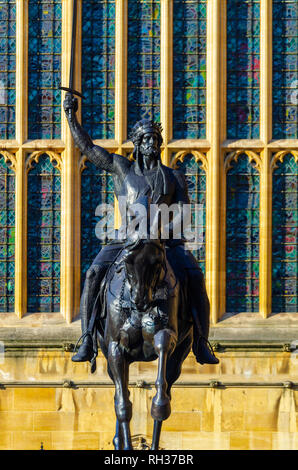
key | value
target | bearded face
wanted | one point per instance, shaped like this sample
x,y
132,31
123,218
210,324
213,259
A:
x,y
149,146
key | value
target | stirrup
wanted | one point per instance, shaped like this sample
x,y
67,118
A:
x,y
82,337
208,351
209,344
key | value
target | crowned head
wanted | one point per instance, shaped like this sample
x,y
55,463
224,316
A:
x,y
147,139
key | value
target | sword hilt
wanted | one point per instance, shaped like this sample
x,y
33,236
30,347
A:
x,y
73,92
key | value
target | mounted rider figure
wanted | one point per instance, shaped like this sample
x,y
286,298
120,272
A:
x,y
145,176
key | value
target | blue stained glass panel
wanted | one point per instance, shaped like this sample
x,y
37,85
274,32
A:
x,y
7,237
285,69
242,237
44,77
285,236
143,76
97,187
196,183
189,69
43,245
98,68
243,69
7,68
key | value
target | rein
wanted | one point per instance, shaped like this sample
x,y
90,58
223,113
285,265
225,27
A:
x,y
157,282
163,265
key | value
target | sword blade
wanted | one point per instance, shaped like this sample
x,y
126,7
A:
x,y
73,45
71,89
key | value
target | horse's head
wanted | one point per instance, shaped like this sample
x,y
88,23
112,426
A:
x,y
144,262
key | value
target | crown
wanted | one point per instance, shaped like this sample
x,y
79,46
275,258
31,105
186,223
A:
x,y
144,126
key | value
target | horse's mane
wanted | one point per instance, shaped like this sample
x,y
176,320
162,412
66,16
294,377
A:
x,y
132,245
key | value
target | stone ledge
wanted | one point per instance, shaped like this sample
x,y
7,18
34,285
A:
x,y
48,330
45,330
251,327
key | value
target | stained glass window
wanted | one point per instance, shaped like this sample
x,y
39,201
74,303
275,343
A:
x,y
7,237
143,77
96,188
285,69
98,68
189,74
44,65
7,68
285,236
242,237
243,69
44,221
196,182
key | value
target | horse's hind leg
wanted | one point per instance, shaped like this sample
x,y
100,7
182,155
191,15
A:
x,y
175,361
123,408
164,343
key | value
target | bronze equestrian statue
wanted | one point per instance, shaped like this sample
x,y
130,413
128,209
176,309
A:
x,y
156,303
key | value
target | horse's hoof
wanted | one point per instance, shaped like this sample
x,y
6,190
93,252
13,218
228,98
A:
x,y
160,409
117,443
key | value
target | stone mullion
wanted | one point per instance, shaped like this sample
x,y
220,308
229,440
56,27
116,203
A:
x,y
223,136
166,76
69,161
21,235
266,71
77,173
21,176
265,259
214,157
121,73
121,40
21,71
266,174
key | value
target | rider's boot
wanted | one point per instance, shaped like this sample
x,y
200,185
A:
x,y
204,352
202,349
201,314
85,351
94,276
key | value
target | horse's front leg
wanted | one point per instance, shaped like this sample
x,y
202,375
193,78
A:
x,y
164,344
123,408
117,441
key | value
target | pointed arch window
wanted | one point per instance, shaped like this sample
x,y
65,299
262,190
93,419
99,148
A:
x,y
96,188
285,235
195,174
44,78
189,74
7,237
242,236
7,68
98,68
44,233
243,69
285,69
143,77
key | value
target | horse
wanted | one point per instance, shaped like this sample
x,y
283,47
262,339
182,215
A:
x,y
146,318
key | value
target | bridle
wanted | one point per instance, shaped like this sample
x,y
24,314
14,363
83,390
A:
x,y
163,265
